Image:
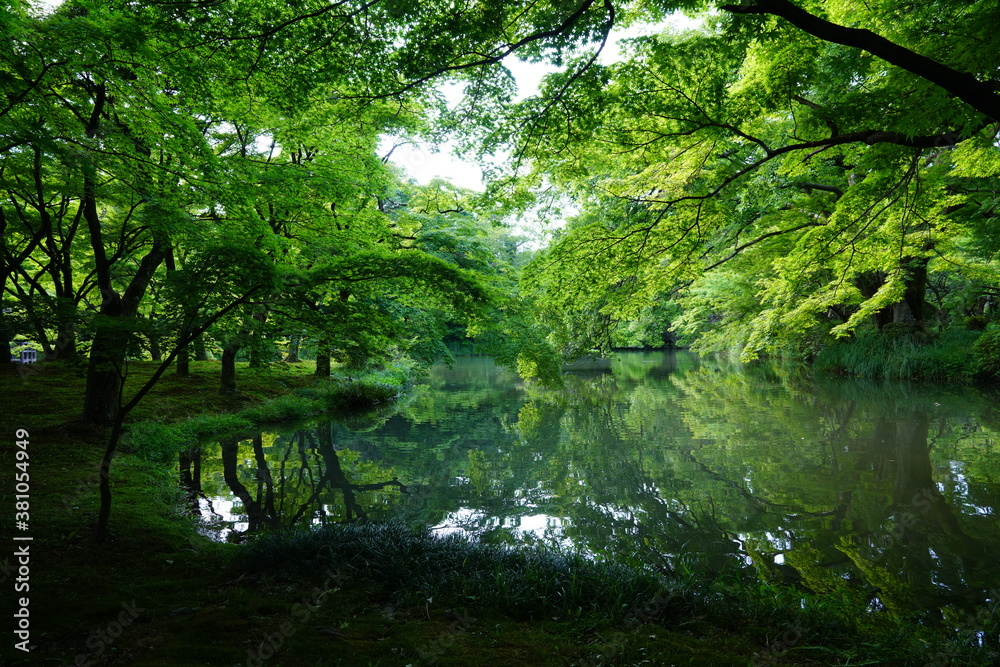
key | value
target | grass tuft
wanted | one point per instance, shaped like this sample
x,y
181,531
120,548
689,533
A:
x,y
893,354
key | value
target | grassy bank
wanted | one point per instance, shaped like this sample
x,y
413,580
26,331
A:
x,y
955,355
157,593
160,438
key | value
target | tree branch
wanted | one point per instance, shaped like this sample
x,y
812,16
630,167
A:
x,y
966,87
757,240
508,49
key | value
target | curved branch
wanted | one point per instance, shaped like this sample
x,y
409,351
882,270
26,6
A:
x,y
757,240
508,49
869,137
979,95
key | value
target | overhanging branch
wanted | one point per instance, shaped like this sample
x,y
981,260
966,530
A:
x,y
979,95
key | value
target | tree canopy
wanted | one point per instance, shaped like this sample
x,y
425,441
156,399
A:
x,y
168,162
785,174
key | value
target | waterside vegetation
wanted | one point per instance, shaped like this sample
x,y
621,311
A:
x,y
204,230
367,593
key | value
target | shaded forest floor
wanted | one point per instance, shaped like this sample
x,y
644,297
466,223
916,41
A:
x,y
158,593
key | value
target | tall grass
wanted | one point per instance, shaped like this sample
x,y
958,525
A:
x,y
894,355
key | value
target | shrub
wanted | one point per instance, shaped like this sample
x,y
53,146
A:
x,y
976,322
986,352
154,441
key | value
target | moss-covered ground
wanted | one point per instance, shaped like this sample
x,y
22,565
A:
x,y
157,593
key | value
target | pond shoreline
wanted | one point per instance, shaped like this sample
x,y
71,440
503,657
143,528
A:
x,y
198,603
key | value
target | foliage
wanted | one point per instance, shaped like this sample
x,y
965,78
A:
x,y
762,172
171,166
884,355
986,352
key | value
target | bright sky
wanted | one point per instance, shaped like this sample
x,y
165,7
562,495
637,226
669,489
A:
x,y
423,162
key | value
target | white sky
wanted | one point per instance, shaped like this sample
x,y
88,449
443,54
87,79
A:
x,y
47,5
423,162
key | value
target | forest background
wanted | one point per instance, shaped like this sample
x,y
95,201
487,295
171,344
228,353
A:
x,y
813,181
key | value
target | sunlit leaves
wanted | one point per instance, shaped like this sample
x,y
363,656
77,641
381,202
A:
x,y
781,160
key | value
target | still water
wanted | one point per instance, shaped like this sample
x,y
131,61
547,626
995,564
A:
x,y
664,460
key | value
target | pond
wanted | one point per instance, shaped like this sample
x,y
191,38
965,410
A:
x,y
665,460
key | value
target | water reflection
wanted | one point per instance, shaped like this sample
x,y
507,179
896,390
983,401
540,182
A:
x,y
888,490
292,479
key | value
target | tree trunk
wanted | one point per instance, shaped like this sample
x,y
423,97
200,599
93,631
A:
x,y
911,309
190,470
230,473
107,353
265,482
228,376
104,379
183,363
322,365
199,350
258,357
5,341
65,345
104,513
293,350
868,284
106,367
154,348
66,316
335,474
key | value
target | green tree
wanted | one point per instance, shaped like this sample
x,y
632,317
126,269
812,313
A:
x,y
830,171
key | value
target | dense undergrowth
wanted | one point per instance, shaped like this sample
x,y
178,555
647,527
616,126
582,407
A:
x,y
413,568
954,355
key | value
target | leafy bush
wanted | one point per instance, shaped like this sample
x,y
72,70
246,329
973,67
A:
x,y
986,352
155,441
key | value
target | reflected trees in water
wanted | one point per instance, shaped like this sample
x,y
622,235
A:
x,y
882,492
